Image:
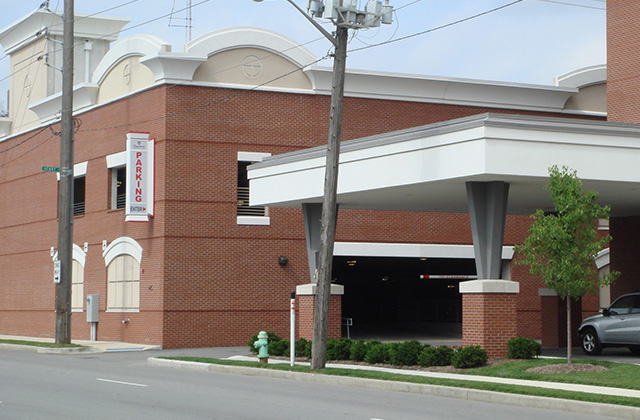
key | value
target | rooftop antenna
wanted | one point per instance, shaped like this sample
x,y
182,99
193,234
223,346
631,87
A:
x,y
187,20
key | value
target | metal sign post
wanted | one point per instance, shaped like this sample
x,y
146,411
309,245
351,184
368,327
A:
x,y
292,338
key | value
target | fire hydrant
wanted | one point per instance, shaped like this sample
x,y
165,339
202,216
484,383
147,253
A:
x,y
263,347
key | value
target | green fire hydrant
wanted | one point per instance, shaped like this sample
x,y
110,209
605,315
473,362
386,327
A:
x,y
263,347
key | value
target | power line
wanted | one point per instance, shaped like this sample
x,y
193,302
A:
x,y
300,69
574,4
24,140
296,70
439,27
76,19
323,58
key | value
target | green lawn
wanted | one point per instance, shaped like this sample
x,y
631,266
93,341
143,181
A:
x,y
618,375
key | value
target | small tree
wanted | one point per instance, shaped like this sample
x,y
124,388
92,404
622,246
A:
x,y
561,246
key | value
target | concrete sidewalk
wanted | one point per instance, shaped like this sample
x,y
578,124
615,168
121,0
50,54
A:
x,y
89,346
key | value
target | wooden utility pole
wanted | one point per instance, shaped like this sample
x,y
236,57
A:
x,y
329,206
65,209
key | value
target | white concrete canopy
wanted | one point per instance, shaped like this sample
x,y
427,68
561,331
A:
x,y
426,168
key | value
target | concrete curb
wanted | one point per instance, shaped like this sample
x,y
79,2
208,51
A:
x,y
578,407
46,350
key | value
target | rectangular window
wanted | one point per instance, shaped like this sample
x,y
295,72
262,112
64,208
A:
x,y
117,165
247,214
118,187
78,195
244,209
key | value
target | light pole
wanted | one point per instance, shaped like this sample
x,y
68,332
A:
x,y
345,16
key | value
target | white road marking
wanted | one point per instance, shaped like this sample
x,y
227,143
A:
x,y
121,383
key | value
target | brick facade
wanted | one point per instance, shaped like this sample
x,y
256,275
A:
x,y
623,61
554,321
304,316
205,280
489,321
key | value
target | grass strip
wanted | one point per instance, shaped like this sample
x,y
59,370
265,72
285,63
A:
x,y
487,386
38,344
617,375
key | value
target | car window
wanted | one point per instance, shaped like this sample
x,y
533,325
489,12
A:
x,y
636,306
622,306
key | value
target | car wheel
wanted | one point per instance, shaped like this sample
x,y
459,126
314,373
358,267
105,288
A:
x,y
590,342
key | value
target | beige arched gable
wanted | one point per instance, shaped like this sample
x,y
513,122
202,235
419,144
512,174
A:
x,y
591,98
125,77
252,67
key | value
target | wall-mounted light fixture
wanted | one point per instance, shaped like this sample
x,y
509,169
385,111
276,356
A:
x,y
282,260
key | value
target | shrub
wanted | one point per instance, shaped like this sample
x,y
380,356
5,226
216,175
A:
x,y
358,351
279,348
338,349
272,337
307,349
523,348
377,353
468,357
435,356
301,347
405,354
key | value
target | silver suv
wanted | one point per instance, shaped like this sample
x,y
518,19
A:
x,y
617,326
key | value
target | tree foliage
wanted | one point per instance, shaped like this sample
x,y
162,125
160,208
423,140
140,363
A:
x,y
561,246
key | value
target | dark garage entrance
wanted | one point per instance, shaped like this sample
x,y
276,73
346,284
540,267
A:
x,y
386,298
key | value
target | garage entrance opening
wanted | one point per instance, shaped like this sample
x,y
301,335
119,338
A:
x,y
387,299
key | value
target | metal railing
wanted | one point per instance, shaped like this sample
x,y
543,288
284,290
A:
x,y
244,209
78,208
121,200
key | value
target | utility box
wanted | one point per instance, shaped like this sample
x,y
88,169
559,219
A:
x,y
93,308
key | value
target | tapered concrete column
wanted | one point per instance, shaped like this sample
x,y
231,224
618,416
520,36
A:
x,y
312,213
488,212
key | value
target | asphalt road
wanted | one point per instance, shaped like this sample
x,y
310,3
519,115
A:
x,y
122,386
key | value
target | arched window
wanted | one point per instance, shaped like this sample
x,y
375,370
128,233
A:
x,y
77,279
122,259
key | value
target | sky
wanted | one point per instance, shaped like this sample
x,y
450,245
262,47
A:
x,y
531,41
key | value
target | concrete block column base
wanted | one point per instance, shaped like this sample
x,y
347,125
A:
x,y
306,300
489,317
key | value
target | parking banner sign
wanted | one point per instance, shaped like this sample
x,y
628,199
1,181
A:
x,y
140,177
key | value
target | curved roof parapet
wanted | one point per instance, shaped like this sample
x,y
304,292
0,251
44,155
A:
x,y
233,38
25,30
134,45
584,77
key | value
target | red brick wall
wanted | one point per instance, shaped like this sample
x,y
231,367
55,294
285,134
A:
x,y
625,254
304,316
205,281
623,61
489,320
554,321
